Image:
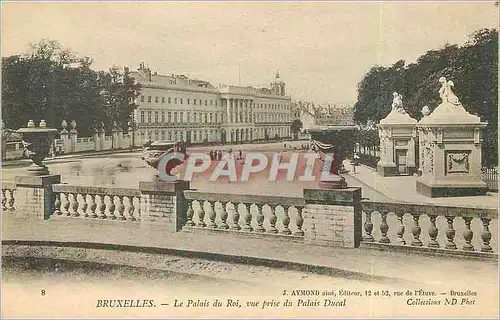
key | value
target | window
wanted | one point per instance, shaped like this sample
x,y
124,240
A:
x,y
149,116
149,98
142,98
163,135
182,100
169,100
211,117
216,103
211,102
170,135
188,116
163,101
156,99
205,102
200,102
188,100
181,116
156,116
206,118
194,101
142,116
163,116
175,117
175,100
194,117
169,116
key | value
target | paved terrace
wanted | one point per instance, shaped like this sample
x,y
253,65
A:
x,y
403,189
365,264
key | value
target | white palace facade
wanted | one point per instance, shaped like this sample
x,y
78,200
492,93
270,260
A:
x,y
176,107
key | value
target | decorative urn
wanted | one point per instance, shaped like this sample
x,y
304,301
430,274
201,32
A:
x,y
37,143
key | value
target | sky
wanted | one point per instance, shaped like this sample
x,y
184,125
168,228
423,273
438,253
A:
x,y
321,49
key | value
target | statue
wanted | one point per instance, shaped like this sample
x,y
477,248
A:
x,y
397,103
425,111
446,92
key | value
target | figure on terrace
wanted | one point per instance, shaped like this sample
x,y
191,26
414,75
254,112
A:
x,y
446,92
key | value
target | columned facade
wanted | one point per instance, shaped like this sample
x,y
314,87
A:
x,y
178,108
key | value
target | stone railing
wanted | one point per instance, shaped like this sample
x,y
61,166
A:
x,y
245,213
96,202
446,229
8,196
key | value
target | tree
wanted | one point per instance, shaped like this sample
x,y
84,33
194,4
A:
x,y
52,83
295,128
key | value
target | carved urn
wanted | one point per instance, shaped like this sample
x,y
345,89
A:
x,y
154,152
37,142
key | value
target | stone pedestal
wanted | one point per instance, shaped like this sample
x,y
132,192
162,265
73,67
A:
x,y
451,141
333,217
397,134
163,205
34,195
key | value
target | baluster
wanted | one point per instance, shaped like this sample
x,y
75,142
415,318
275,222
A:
x,y
211,214
223,216
64,204
57,205
190,214
120,208
433,232
368,226
401,228
4,200
247,217
259,218
468,234
74,205
416,230
450,233
384,227
101,208
137,209
201,215
286,220
84,205
299,221
93,206
235,215
111,208
272,220
130,209
12,199
486,235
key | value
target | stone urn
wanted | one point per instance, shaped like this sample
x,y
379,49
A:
x,y
154,152
37,142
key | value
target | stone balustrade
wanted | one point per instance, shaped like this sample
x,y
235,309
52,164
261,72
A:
x,y
96,202
433,228
8,196
245,213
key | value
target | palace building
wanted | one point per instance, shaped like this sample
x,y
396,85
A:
x,y
176,107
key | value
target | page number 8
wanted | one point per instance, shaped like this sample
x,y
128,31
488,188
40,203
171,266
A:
x,y
42,292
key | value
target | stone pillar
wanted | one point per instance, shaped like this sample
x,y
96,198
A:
x,y
119,143
102,136
163,204
73,136
115,144
333,217
64,137
34,197
97,142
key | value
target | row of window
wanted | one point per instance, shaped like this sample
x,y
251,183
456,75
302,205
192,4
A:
x,y
205,117
210,135
181,101
209,102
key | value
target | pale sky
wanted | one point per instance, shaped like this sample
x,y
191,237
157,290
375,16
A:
x,y
321,49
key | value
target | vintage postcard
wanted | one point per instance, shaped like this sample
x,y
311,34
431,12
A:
x,y
249,159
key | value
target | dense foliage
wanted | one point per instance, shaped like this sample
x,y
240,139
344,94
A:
x,y
52,83
472,67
